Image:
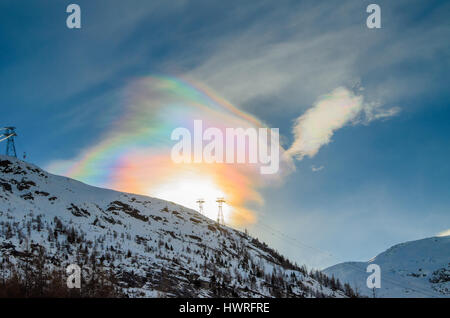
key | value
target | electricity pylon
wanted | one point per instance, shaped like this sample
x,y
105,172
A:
x,y
8,135
200,205
220,218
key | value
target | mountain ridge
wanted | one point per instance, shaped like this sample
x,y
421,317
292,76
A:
x,y
418,268
136,246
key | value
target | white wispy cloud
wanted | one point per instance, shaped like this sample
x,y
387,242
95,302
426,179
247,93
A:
x,y
444,233
316,169
375,111
330,112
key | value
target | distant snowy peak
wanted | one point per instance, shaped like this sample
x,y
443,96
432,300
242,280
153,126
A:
x,y
413,269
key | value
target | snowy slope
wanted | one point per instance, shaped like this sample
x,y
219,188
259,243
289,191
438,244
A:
x,y
150,246
413,269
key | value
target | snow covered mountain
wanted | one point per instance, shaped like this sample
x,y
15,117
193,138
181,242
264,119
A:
x,y
131,245
413,269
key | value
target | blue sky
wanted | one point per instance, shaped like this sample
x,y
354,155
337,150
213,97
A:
x,y
383,182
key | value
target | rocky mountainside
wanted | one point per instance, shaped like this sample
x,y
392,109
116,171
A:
x,y
413,269
130,245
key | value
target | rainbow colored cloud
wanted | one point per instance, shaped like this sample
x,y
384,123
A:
x,y
134,155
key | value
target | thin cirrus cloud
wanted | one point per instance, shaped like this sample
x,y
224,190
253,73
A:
x,y
316,169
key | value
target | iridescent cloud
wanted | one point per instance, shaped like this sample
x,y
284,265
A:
x,y
134,155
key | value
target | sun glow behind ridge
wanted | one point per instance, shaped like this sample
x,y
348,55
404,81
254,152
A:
x,y
134,154
188,188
